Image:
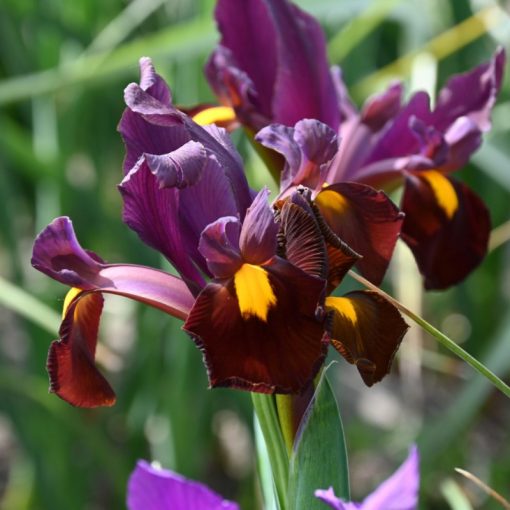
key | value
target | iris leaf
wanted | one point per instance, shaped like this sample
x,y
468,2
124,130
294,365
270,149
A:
x,y
319,459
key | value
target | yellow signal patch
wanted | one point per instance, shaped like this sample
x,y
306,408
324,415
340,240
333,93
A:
x,y
331,202
254,292
443,191
214,115
71,294
344,307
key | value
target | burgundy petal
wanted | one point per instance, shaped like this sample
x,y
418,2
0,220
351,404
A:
x,y
279,354
73,373
151,488
446,226
367,220
367,331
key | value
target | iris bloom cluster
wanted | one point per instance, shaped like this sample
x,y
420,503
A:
x,y
152,488
255,280
270,69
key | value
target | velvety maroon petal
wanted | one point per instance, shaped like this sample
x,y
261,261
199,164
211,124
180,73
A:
x,y
151,488
367,331
219,244
367,220
73,374
446,226
258,233
280,354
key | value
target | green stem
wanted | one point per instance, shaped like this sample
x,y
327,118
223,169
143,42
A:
x,y
439,336
265,408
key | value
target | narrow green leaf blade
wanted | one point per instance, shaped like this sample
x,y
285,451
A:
x,y
319,459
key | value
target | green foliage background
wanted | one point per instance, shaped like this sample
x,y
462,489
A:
x,y
63,66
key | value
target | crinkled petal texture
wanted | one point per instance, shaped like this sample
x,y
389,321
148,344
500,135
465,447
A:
x,y
367,220
57,253
447,227
367,331
180,176
277,349
281,51
399,492
151,488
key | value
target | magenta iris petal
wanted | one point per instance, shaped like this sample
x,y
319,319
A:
x,y
399,492
258,234
272,42
150,488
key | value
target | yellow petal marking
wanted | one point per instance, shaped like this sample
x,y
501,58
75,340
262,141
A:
x,y
72,293
344,307
443,191
254,292
214,115
331,202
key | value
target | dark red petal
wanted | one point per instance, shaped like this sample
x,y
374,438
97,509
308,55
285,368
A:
x,y
73,374
446,226
367,331
281,354
367,220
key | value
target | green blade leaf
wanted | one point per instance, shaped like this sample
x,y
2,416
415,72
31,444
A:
x,y
319,459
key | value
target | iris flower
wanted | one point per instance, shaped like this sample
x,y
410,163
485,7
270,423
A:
x,y
271,68
253,280
152,488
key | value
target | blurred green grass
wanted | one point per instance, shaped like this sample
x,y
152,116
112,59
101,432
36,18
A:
x,y
63,67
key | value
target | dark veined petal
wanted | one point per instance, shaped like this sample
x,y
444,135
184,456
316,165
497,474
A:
x,y
71,367
258,331
57,253
258,233
366,219
447,227
367,331
151,488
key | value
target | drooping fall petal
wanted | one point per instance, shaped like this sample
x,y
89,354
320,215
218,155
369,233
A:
x,y
367,331
151,488
367,220
58,254
447,227
259,331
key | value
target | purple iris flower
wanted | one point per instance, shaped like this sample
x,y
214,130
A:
x,y
151,488
270,67
253,280
399,492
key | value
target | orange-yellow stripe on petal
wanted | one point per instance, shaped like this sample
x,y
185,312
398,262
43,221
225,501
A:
x,y
215,115
443,191
344,307
254,292
70,296
331,202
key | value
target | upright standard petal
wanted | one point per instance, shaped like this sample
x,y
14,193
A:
x,y
282,51
447,227
399,492
366,331
151,488
57,253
